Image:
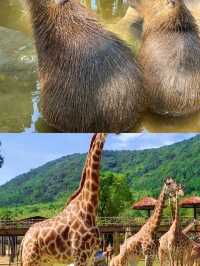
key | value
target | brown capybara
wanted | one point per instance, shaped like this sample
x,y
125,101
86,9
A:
x,y
89,80
170,56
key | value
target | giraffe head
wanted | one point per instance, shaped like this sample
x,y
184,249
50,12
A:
x,y
171,188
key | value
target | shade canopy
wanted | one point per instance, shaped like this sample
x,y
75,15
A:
x,y
190,202
147,203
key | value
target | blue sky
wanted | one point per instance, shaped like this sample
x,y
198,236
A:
x,y
23,152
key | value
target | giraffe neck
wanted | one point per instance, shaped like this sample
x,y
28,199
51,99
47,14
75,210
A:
x,y
90,191
154,221
177,209
87,195
176,224
172,209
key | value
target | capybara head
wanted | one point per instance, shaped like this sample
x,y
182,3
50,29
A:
x,y
152,9
53,7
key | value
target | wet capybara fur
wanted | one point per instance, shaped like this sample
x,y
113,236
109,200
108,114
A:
x,y
170,56
89,80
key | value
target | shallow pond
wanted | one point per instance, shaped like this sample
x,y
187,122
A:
x,y
19,88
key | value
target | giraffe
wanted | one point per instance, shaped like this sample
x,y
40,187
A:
x,y
143,243
175,247
72,236
120,259
187,229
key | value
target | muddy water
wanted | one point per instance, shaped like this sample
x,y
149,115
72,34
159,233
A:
x,y
19,88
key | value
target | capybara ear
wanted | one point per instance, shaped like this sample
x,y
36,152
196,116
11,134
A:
x,y
61,2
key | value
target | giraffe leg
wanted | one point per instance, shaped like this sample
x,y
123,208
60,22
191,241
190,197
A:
x,y
29,263
30,259
171,262
91,260
83,258
148,260
161,256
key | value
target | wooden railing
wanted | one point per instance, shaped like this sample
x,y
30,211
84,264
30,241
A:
x,y
18,224
101,221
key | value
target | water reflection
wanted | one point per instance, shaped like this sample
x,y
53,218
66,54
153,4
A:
x,y
15,102
156,123
19,89
107,9
13,15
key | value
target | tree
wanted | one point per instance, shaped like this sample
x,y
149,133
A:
x,y
115,194
5,214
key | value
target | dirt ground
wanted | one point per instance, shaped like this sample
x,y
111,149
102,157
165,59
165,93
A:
x,y
4,261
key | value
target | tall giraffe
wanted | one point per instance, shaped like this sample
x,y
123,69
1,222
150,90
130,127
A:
x,y
144,242
187,229
175,247
71,236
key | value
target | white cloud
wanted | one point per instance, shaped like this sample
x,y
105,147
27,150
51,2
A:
x,y
140,141
122,141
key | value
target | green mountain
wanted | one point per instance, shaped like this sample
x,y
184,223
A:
x,y
145,171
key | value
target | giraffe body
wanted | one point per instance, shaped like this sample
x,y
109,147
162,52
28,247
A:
x,y
144,243
59,240
175,247
72,236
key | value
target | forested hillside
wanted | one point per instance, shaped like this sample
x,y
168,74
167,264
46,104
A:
x,y
143,173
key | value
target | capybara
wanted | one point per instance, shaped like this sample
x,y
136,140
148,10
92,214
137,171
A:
x,y
170,56
89,78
